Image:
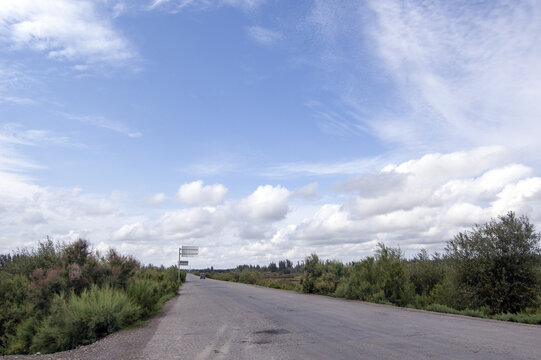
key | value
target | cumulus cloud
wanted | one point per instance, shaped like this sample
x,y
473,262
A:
x,y
373,185
130,232
64,30
420,203
195,193
193,223
439,195
266,203
30,212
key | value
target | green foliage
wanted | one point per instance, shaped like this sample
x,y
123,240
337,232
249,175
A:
x,y
522,317
14,306
498,264
146,294
249,277
24,261
26,331
441,308
84,319
425,273
59,296
382,278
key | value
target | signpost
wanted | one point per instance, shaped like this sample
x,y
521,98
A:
x,y
186,251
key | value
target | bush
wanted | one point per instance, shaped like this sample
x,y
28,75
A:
x,y
522,317
20,344
425,273
146,294
14,307
498,264
59,296
84,319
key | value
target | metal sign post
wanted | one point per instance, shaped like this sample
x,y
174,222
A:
x,y
186,251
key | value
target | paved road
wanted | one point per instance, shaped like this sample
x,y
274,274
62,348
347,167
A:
x,y
220,320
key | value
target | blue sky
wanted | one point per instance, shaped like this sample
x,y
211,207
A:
x,y
264,129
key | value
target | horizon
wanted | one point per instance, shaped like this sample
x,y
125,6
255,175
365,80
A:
x,y
265,130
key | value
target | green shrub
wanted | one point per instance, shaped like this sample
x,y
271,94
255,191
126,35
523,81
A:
x,y
15,307
498,264
442,309
425,273
59,296
249,277
146,294
84,319
522,317
21,343
54,334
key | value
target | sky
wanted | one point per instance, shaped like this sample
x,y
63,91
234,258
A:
x,y
261,130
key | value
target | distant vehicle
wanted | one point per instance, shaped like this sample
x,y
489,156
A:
x,y
202,275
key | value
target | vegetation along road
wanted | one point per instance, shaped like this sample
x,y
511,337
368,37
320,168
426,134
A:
x,y
221,320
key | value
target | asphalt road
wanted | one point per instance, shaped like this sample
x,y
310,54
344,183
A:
x,y
221,320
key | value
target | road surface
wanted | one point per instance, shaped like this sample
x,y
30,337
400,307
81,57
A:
x,y
221,320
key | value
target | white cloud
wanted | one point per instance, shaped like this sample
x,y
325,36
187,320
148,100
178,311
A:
x,y
130,232
454,75
307,192
266,203
63,29
457,67
30,212
178,5
264,36
435,196
195,193
347,167
156,199
104,123
15,134
373,185
193,223
438,195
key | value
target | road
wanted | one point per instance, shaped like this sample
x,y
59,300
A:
x,y
221,320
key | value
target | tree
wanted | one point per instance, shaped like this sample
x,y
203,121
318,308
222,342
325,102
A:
x,y
497,264
312,271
